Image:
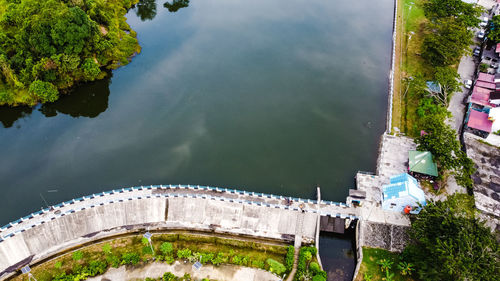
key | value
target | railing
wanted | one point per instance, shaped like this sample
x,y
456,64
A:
x,y
129,196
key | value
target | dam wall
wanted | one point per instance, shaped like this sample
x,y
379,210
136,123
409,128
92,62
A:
x,y
70,224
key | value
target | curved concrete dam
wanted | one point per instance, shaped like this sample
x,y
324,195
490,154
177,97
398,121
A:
x,y
218,210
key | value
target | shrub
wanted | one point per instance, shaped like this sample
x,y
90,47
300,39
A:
x,y
95,268
166,248
58,265
318,278
275,266
314,267
240,260
77,255
106,248
184,253
483,67
45,91
289,258
220,258
146,250
113,260
259,264
206,257
305,255
169,259
90,69
130,258
168,276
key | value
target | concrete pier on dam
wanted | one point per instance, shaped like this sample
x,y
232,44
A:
x,y
217,210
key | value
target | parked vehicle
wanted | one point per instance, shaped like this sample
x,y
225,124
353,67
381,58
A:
x,y
480,34
468,84
484,22
477,51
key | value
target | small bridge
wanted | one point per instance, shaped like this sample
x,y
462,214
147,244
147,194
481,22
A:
x,y
167,207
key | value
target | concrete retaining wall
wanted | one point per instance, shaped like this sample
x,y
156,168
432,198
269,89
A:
x,y
83,220
391,74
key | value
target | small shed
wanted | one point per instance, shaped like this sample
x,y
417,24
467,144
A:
x,y
433,87
421,162
403,191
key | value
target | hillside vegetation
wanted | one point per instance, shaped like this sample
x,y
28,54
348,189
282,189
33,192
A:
x,y
47,46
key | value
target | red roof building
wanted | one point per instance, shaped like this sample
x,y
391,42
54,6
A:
x,y
479,121
481,98
486,85
481,90
497,50
485,77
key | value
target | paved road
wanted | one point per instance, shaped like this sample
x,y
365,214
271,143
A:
x,y
457,108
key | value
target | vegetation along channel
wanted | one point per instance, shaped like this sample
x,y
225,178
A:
x,y
267,96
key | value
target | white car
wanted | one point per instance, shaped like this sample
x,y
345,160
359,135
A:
x,y
477,51
484,22
468,84
480,34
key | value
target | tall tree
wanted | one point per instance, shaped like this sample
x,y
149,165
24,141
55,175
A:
x,y
466,13
447,42
449,243
494,33
447,77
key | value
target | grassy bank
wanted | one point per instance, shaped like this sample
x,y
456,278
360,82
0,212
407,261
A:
x,y
410,35
134,251
371,269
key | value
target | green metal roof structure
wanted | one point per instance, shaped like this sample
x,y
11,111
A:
x,y
421,162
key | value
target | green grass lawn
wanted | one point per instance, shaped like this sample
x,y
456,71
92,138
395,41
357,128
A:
x,y
370,267
410,38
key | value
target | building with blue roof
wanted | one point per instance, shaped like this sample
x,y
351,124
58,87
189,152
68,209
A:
x,y
403,191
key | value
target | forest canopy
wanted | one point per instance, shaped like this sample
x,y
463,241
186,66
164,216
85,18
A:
x,y
47,46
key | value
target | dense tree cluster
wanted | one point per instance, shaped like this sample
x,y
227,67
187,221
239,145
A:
x,y
449,35
449,243
446,39
47,46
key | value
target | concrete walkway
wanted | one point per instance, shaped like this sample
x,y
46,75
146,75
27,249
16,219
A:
x,y
155,270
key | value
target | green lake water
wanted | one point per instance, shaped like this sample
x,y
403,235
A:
x,y
266,96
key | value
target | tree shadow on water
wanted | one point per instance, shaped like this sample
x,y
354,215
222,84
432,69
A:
x,y
176,5
87,100
9,115
147,9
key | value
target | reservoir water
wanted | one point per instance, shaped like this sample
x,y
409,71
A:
x,y
274,96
